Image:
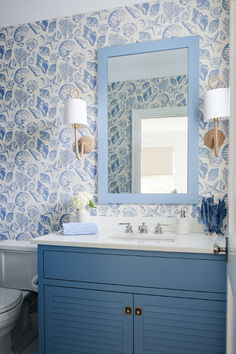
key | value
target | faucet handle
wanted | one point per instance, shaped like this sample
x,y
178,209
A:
x,y
143,228
158,228
128,228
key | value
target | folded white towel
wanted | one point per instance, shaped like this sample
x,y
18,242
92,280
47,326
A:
x,y
80,228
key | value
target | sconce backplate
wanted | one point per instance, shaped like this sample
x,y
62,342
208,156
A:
x,y
88,144
210,137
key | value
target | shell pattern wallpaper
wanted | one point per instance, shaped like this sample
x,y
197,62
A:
x,y
41,61
122,98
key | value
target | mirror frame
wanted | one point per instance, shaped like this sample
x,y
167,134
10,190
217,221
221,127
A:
x,y
191,197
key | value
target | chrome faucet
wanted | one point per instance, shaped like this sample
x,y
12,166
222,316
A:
x,y
128,228
158,228
143,228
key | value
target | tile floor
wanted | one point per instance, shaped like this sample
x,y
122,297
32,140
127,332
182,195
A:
x,y
32,348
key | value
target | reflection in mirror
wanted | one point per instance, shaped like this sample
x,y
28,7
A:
x,y
159,153
148,155
148,122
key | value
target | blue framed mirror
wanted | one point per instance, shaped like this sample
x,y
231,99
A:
x,y
148,122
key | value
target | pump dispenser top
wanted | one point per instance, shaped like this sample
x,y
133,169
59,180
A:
x,y
182,224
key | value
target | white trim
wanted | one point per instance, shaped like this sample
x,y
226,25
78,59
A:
x,y
231,281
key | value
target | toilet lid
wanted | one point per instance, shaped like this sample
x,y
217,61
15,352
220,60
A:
x,y
9,298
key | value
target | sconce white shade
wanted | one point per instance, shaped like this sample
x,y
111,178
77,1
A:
x,y
75,112
217,104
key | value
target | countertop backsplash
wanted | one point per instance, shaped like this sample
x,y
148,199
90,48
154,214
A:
x,y
111,224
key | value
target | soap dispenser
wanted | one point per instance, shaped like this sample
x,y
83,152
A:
x,y
182,224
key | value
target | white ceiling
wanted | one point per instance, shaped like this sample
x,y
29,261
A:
x,y
148,65
15,12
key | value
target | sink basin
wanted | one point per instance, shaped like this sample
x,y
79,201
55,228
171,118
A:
x,y
141,237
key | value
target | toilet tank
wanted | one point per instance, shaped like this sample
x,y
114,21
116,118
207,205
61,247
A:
x,y
18,265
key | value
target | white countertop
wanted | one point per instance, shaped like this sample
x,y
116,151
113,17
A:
x,y
192,243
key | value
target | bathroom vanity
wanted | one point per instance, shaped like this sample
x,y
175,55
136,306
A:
x,y
97,295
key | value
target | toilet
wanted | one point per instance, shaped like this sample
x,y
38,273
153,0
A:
x,y
18,277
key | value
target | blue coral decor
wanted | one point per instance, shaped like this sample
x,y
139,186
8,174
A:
x,y
212,214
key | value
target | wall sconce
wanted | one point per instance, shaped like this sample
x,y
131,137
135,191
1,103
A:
x,y
75,113
216,106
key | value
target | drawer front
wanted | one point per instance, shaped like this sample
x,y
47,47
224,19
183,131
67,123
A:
x,y
135,270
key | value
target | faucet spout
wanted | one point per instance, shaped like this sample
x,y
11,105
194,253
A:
x,y
128,228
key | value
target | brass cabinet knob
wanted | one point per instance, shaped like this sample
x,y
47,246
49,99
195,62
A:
x,y
128,310
217,249
138,311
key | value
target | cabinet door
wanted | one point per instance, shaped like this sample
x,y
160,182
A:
x,y
168,325
87,321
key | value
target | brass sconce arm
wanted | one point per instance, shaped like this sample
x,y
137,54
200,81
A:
x,y
214,138
216,106
216,145
84,145
78,155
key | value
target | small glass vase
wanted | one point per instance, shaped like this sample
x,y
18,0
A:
x,y
82,215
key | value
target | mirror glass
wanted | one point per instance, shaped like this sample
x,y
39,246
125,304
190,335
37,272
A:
x,y
148,121
159,162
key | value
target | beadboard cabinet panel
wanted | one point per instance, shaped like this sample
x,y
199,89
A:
x,y
179,326
84,321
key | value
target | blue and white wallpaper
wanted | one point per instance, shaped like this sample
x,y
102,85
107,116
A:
x,y
123,96
41,61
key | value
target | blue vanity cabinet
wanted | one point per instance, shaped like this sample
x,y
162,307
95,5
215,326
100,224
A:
x,y
95,301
